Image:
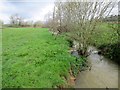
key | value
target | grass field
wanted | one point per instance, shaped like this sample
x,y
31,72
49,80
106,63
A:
x,y
33,58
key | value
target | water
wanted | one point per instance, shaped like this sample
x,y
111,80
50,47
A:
x,y
75,53
103,73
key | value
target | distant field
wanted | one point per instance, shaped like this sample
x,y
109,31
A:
x,y
33,58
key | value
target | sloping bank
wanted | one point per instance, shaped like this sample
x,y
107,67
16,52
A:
x,y
33,58
107,40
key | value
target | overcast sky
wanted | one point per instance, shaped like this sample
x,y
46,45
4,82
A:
x,y
28,9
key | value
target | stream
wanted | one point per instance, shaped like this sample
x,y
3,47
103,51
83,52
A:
x,y
103,73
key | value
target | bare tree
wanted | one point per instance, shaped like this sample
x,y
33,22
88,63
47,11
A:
x,y
16,20
1,24
38,24
81,19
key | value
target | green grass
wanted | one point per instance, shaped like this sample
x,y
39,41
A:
x,y
104,35
33,58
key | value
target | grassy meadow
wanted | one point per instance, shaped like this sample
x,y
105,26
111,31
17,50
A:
x,y
33,58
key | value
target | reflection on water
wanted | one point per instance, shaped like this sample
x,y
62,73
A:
x,y
103,73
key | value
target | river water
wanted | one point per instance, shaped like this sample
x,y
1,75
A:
x,y
102,73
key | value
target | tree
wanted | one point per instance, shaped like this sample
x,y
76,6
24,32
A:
x,y
1,24
81,19
38,24
16,20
